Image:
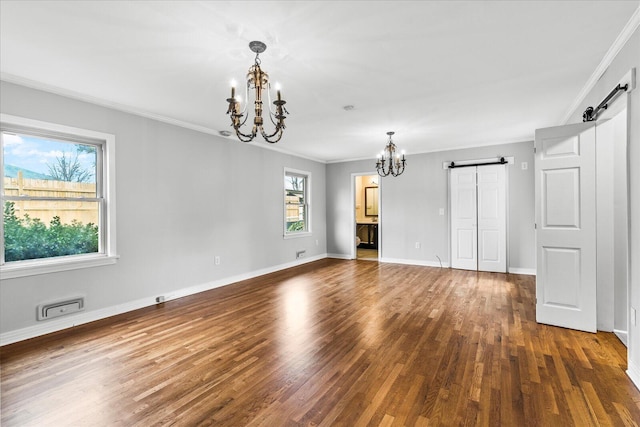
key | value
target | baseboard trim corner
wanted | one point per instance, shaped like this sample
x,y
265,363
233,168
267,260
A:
x,y
414,262
527,271
633,371
339,256
622,336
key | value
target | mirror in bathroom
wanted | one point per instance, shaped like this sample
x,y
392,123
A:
x,y
371,201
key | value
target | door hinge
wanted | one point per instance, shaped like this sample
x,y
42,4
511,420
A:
x,y
534,149
535,226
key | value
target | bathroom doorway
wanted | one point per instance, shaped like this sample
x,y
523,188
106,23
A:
x,y
366,217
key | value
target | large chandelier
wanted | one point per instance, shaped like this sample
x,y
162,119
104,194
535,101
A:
x,y
257,80
395,165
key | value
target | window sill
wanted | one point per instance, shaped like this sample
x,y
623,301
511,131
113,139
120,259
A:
x,y
53,265
298,235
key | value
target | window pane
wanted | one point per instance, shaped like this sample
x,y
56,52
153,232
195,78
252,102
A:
x,y
43,167
296,218
43,229
295,183
295,189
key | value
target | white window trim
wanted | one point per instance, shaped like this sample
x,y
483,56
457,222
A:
x,y
297,234
50,265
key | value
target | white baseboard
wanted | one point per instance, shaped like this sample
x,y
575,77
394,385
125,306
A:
x,y
49,326
59,324
622,336
414,262
633,371
339,256
527,271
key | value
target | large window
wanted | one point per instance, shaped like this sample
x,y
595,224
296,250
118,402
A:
x,y
296,202
57,197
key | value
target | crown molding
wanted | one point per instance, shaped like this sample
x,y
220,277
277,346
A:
x,y
10,78
613,51
441,150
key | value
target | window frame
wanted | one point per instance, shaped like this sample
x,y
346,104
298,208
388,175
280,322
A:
x,y
307,205
105,195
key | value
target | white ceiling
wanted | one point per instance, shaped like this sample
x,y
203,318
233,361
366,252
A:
x,y
442,75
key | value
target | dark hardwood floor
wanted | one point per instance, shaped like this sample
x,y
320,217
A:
x,y
330,343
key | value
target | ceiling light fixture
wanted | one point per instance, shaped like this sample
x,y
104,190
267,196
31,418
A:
x,y
396,164
257,80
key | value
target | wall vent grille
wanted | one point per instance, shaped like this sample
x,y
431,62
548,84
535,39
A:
x,y
60,308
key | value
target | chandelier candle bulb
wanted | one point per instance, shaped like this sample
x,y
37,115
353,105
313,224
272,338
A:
x,y
278,87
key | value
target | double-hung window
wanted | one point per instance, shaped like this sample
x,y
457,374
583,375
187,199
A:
x,y
57,197
297,213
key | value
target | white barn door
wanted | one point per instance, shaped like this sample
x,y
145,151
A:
x,y
566,226
464,233
478,218
492,221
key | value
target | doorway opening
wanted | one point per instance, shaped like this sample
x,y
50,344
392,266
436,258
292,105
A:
x,y
612,222
366,191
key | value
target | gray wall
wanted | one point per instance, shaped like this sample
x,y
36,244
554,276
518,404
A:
x,y
410,206
627,58
183,197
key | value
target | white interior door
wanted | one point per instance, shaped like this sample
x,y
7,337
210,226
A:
x,y
566,226
464,244
492,251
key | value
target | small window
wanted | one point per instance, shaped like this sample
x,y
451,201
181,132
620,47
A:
x,y
296,202
55,197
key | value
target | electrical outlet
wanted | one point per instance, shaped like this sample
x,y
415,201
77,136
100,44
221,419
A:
x,y
417,245
317,242
441,211
164,298
216,260
300,254
525,166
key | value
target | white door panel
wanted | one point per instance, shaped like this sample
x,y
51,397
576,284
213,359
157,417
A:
x,y
492,214
466,245
490,245
565,218
562,201
464,238
562,265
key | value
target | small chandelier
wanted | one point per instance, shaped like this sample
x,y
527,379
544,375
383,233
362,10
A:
x,y
257,80
396,164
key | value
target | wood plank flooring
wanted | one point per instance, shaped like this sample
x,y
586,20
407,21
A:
x,y
329,343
